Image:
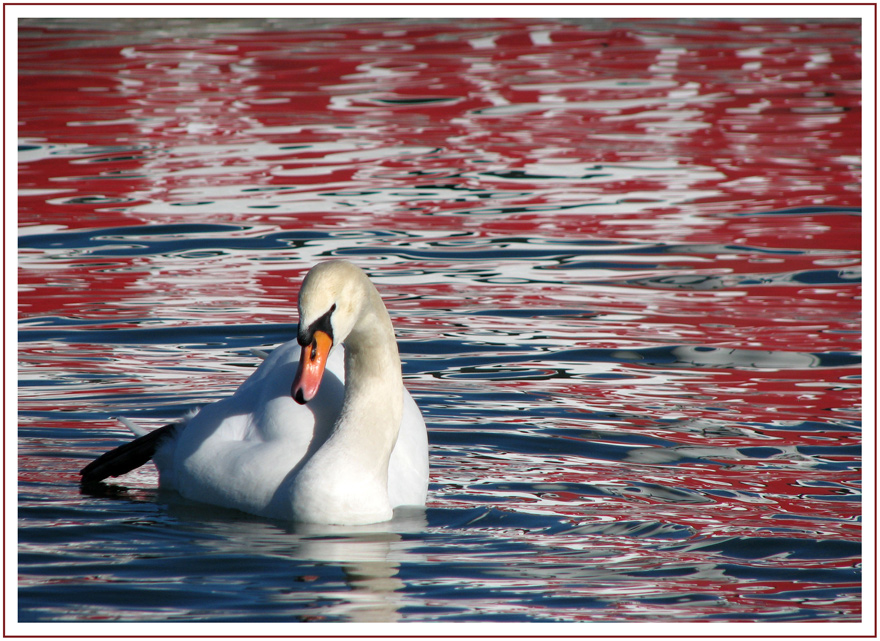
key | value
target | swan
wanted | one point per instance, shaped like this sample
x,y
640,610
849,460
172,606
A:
x,y
322,432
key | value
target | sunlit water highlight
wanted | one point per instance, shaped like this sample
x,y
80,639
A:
x,y
622,259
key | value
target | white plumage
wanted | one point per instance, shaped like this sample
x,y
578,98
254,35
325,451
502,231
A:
x,y
354,451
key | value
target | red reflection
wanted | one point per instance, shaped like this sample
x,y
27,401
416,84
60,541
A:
x,y
721,150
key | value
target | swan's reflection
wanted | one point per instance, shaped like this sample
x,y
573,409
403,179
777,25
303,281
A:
x,y
369,556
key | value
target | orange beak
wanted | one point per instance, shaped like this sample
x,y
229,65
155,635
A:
x,y
312,362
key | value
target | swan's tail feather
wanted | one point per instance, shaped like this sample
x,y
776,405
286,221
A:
x,y
126,457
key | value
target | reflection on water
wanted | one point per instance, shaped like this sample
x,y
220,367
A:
x,y
623,262
366,559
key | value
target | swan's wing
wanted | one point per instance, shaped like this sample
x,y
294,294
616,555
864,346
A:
x,y
408,467
238,452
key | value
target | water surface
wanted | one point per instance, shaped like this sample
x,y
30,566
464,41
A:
x,y
622,259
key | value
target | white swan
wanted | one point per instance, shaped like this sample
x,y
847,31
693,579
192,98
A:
x,y
319,433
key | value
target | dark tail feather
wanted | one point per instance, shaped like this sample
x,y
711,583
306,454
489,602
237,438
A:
x,y
126,457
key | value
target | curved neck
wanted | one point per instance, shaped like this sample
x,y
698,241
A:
x,y
346,479
373,403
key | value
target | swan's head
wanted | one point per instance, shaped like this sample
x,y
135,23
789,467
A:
x,y
330,301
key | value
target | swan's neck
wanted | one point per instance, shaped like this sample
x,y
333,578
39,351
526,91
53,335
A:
x,y
373,403
346,481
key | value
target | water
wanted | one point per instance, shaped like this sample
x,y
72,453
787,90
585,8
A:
x,y
622,259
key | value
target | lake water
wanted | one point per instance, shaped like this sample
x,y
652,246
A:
x,y
622,259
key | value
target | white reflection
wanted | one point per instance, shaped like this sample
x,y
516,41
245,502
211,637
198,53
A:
x,y
748,358
609,106
369,556
610,84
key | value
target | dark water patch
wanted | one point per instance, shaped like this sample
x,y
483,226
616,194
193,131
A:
x,y
780,614
480,252
153,240
422,349
506,438
518,174
125,158
759,452
33,151
818,595
800,427
801,211
449,423
817,451
699,282
782,548
415,101
803,575
712,357
98,200
596,435
202,337
662,493
536,313
162,598
67,321
704,282
637,529
493,367
485,518
848,497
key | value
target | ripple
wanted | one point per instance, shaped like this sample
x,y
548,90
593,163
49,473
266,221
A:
x,y
629,312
